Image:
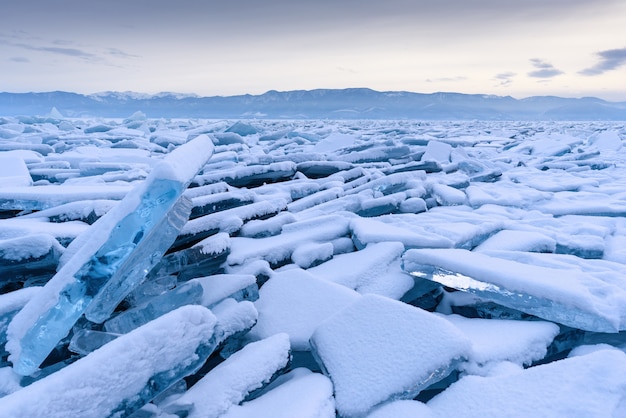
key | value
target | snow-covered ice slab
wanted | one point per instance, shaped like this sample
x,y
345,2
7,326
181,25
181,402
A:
x,y
295,302
560,292
378,349
110,259
592,385
124,374
374,269
313,392
44,197
494,340
230,382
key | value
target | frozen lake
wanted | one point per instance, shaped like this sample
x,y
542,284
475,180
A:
x,y
311,268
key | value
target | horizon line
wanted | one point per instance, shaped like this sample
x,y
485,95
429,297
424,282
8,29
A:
x,y
198,96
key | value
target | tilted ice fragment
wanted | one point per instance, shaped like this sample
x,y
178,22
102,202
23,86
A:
x,y
218,287
124,374
261,228
230,382
320,169
379,349
518,241
43,197
589,385
295,302
504,193
85,211
110,259
216,202
10,304
188,293
151,287
374,269
446,195
28,255
234,319
13,171
242,128
229,221
278,249
84,341
495,340
315,199
437,151
201,259
368,231
313,391
312,253
558,293
251,175
402,408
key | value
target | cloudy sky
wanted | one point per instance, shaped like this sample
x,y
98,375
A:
x,y
521,48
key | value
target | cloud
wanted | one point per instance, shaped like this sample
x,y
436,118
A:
x,y
504,79
71,52
19,59
120,54
609,60
543,69
446,79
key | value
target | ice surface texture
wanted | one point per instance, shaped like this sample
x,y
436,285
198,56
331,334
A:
x,y
311,268
110,259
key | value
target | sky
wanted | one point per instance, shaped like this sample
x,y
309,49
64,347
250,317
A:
x,y
523,48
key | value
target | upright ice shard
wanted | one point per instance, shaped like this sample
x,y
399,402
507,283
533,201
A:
x,y
105,263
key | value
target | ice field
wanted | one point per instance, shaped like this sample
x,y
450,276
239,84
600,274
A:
x,y
311,268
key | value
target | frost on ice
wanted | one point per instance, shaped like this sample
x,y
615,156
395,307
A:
x,y
160,268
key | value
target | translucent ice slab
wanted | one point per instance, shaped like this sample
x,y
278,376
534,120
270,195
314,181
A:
x,y
541,286
106,262
188,293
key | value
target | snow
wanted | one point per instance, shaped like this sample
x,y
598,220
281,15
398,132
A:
x,y
351,268
589,385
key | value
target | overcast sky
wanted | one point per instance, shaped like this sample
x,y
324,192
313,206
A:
x,y
569,48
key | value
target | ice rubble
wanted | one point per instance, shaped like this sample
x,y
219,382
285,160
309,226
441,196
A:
x,y
305,260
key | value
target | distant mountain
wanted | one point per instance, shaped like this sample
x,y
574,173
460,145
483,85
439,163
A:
x,y
354,103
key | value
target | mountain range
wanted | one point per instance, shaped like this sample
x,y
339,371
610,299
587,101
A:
x,y
352,103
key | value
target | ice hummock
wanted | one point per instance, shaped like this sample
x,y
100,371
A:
x,y
109,259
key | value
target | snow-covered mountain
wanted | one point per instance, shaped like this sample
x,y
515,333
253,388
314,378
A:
x,y
353,103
